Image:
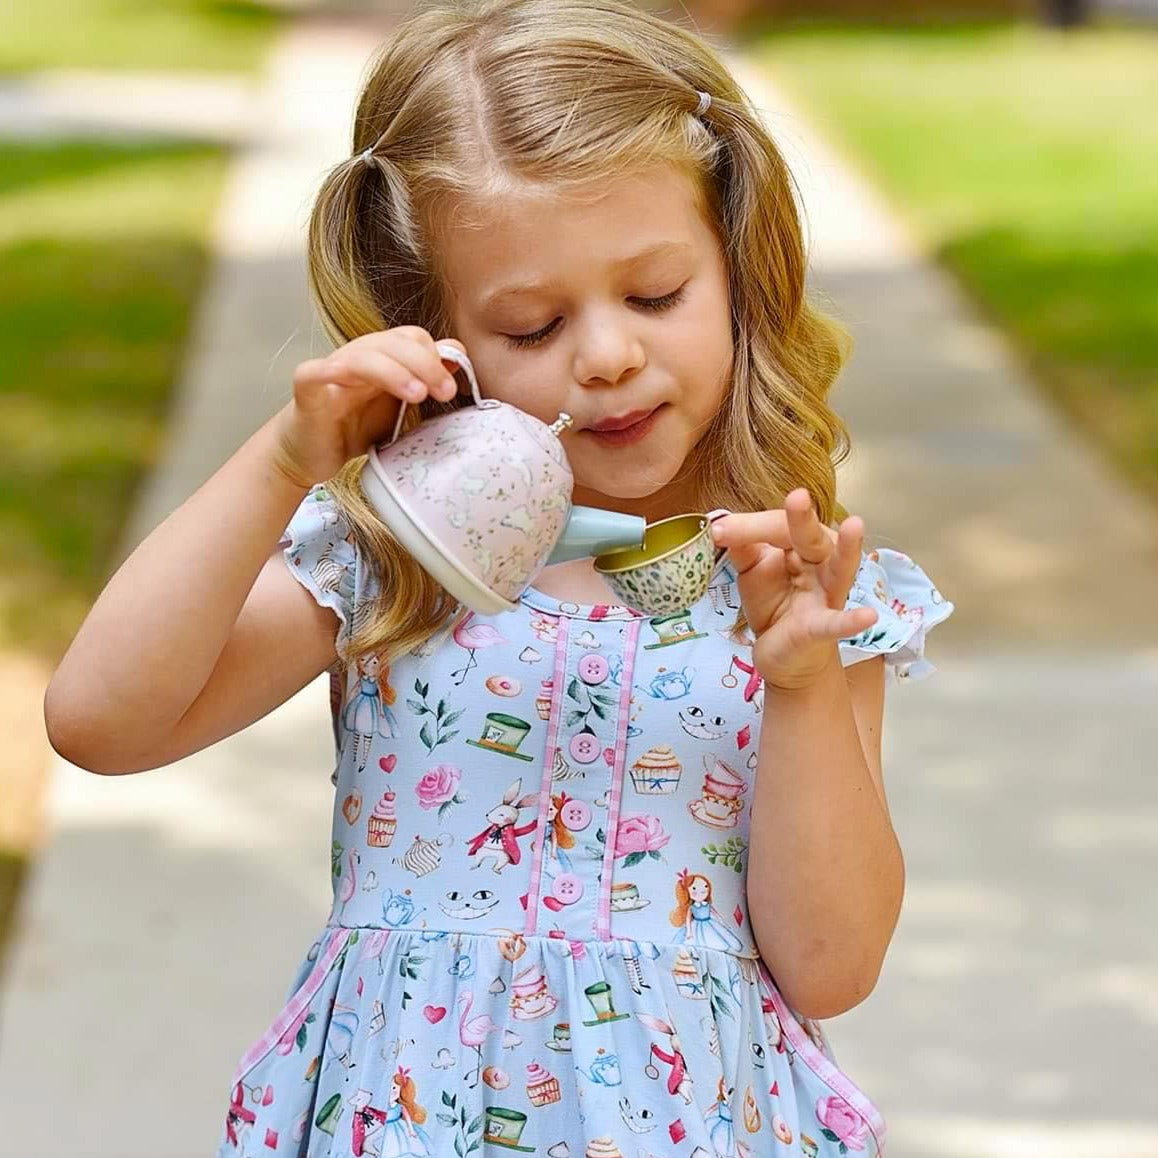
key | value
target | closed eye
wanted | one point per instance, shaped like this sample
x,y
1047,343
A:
x,y
654,305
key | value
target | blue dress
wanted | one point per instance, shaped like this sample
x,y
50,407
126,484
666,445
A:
x,y
579,986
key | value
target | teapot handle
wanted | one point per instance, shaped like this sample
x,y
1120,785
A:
x,y
447,353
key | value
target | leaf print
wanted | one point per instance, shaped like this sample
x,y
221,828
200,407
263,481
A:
x,y
633,858
446,1119
416,707
599,710
425,736
573,690
453,717
448,1099
574,716
604,699
730,853
441,710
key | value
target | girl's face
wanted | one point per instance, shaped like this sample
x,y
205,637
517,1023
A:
x,y
698,889
610,307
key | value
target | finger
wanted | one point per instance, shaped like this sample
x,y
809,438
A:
x,y
844,624
845,561
809,538
368,367
415,349
742,529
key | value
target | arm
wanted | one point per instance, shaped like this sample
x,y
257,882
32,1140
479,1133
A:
x,y
200,632
825,872
189,642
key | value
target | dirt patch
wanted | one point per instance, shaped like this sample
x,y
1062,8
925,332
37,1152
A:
x,y
24,762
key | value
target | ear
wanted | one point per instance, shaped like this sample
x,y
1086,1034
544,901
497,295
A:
x,y
512,791
528,800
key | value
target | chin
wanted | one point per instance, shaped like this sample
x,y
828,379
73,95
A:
x,y
635,484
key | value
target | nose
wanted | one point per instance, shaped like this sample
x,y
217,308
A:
x,y
608,350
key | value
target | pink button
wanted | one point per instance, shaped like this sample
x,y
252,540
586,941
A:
x,y
584,747
593,669
567,888
576,815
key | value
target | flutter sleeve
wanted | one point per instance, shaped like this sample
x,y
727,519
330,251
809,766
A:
x,y
908,606
321,553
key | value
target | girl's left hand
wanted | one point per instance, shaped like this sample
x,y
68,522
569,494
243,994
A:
x,y
794,575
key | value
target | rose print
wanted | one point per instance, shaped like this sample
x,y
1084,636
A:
x,y
637,836
438,788
842,1124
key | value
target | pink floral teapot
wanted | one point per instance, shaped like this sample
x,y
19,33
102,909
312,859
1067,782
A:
x,y
481,498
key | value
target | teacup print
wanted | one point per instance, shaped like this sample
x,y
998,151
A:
x,y
560,1037
721,796
671,571
625,898
530,998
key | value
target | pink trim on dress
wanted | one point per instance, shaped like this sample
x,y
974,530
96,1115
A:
x,y
548,767
296,1006
822,1066
603,909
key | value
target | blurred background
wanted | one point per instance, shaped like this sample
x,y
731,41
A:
x,y
980,183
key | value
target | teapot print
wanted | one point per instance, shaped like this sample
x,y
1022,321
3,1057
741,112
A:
x,y
398,909
671,685
604,1070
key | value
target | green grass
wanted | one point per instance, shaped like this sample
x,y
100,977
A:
x,y
206,35
104,251
1027,161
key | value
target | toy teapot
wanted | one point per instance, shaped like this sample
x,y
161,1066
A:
x,y
481,498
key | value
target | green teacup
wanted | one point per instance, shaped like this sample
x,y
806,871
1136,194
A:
x,y
671,571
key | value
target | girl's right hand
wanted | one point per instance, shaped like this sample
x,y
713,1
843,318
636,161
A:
x,y
348,401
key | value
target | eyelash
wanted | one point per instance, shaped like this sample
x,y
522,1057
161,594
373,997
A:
x,y
656,305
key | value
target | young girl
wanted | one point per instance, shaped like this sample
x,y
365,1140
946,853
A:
x,y
580,195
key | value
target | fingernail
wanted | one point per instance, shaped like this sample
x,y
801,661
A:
x,y
415,390
449,387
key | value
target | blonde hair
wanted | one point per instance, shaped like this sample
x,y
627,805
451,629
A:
x,y
470,100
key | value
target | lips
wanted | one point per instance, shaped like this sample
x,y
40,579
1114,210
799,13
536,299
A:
x,y
622,422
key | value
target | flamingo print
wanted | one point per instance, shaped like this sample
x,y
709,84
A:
x,y
472,636
349,882
473,1033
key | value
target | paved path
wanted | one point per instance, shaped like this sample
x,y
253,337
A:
x,y
1018,1011
1017,1014
163,922
76,103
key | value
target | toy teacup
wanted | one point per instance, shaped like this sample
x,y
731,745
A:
x,y
671,571
481,497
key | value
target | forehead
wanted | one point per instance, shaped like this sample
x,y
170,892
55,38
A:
x,y
551,238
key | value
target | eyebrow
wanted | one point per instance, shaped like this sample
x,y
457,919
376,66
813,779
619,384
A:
x,y
660,249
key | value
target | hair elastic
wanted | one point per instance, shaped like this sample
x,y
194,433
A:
x,y
367,154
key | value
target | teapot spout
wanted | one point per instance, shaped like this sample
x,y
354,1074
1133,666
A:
x,y
591,531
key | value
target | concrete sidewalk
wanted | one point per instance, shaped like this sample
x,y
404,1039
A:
x,y
1018,1011
163,922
